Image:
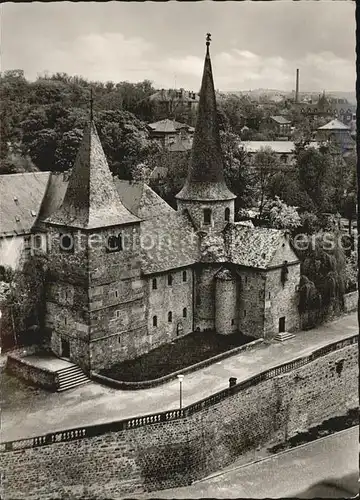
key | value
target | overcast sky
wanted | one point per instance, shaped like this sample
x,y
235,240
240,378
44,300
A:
x,y
254,44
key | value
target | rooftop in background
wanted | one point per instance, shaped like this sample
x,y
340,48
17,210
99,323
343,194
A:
x,y
281,120
281,147
334,125
169,126
175,95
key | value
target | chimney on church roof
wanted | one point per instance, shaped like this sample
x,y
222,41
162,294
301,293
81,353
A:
x,y
91,199
205,180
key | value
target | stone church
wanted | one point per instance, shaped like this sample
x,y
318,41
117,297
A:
x,y
128,273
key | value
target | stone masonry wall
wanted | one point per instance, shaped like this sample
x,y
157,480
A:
x,y
351,301
281,300
172,298
251,303
196,210
174,453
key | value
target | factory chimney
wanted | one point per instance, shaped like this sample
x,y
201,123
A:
x,y
297,86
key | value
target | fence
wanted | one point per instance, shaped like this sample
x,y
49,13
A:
x,y
171,415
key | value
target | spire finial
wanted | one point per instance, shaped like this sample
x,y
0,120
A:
x,y
208,39
91,104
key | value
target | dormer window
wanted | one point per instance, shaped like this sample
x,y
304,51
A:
x,y
207,216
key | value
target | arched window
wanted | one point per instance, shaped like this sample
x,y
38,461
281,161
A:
x,y
207,216
169,317
184,275
227,214
154,284
184,312
154,320
67,243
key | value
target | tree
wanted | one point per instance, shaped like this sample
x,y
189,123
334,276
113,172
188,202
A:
x,y
67,149
278,215
314,179
26,299
265,166
348,209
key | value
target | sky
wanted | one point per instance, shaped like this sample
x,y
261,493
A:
x,y
254,44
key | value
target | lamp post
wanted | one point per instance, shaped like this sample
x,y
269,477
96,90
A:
x,y
181,378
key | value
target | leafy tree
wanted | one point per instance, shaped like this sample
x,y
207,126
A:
x,y
278,215
67,149
265,165
26,299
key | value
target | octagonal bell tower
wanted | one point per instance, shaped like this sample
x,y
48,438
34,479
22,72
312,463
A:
x,y
205,195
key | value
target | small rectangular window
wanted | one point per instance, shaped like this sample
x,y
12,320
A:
x,y
244,314
170,317
184,312
154,284
154,320
207,216
184,276
170,279
232,322
118,314
269,295
65,321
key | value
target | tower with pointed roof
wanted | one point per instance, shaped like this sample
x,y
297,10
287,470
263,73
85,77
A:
x,y
95,303
205,195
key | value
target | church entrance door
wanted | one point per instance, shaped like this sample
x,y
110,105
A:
x,y
282,324
65,348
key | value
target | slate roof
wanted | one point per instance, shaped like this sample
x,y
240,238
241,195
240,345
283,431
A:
x,y
205,180
20,201
91,200
253,247
281,120
334,125
141,200
45,192
168,243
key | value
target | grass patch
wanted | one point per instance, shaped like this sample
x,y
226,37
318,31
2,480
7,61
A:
x,y
177,355
327,427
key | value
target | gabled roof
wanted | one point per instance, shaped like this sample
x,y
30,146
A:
x,y
334,125
169,126
91,200
168,242
253,247
281,120
205,180
21,196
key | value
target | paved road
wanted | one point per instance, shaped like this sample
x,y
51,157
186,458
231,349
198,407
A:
x,y
29,412
326,468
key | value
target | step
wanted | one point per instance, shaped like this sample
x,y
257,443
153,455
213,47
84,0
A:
x,y
281,337
64,380
69,370
72,386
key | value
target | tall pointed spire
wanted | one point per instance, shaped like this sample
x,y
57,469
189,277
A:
x,y
91,200
205,180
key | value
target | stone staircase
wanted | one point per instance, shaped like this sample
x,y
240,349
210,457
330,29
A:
x,y
281,337
71,377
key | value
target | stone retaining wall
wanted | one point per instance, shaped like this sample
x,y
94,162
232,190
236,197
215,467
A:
x,y
174,448
351,301
17,365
